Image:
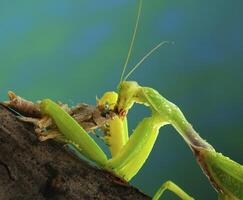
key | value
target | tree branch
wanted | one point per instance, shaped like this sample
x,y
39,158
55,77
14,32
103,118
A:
x,y
30,169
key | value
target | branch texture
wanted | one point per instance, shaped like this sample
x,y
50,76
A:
x,y
30,169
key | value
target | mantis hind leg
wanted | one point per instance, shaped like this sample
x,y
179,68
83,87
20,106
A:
x,y
169,185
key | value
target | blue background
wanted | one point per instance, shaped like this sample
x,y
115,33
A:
x,y
73,50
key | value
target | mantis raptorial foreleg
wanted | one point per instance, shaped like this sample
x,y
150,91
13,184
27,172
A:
x,y
46,135
129,159
135,152
116,133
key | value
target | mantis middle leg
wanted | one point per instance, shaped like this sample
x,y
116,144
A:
x,y
169,185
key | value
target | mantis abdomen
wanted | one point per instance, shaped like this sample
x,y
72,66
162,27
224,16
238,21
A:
x,y
225,174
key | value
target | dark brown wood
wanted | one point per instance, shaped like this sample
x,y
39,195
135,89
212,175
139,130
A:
x,y
30,169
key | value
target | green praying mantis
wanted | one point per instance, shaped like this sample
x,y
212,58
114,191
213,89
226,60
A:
x,y
130,151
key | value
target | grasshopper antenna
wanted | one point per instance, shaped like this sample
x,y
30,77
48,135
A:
x,y
132,42
145,57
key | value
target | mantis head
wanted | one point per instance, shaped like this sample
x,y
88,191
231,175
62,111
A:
x,y
128,94
128,90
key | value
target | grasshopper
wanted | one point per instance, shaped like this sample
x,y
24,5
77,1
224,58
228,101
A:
x,y
89,117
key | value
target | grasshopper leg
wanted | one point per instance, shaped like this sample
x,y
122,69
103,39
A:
x,y
42,123
46,135
169,185
41,126
29,120
73,132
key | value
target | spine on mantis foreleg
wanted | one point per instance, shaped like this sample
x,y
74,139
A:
x,y
117,135
73,132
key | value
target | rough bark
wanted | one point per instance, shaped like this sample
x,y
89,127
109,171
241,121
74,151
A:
x,y
30,169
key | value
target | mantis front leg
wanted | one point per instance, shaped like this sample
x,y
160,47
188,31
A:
x,y
133,155
116,134
128,154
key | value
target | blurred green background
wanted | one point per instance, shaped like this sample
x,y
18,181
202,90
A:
x,y
73,50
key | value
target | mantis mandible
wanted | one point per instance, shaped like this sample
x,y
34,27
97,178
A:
x,y
129,152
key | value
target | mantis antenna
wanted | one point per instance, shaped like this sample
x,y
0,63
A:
x,y
145,57
132,42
